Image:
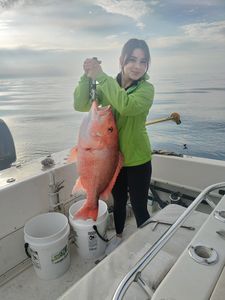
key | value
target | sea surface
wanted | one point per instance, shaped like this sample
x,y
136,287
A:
x,y
39,113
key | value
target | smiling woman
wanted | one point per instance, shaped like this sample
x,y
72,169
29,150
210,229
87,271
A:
x,y
131,97
134,61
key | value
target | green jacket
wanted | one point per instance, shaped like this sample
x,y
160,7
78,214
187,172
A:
x,y
130,107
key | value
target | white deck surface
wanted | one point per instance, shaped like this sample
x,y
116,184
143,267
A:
x,y
101,282
28,286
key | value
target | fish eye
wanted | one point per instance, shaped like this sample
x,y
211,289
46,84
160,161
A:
x,y
110,129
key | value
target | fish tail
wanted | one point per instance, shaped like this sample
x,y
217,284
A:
x,y
87,212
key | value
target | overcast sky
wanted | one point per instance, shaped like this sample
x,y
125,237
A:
x,y
53,37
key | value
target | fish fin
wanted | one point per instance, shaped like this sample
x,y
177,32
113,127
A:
x,y
73,155
78,187
105,194
87,212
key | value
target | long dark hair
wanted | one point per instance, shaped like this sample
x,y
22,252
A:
x,y
128,49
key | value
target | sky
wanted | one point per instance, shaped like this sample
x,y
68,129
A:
x,y
53,37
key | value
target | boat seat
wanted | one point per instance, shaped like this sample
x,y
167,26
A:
x,y
219,290
102,281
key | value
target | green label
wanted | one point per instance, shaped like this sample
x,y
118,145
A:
x,y
59,256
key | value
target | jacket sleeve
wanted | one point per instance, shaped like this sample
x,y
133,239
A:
x,y
126,104
81,95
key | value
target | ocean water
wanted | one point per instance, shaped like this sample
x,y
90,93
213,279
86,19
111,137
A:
x,y
39,113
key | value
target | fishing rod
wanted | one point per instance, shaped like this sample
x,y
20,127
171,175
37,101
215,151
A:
x,y
173,117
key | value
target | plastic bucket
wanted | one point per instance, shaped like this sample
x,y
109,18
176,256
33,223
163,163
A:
x,y
90,236
47,244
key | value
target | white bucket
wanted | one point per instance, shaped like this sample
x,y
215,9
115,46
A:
x,y
89,244
47,244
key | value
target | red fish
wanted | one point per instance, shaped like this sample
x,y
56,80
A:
x,y
98,159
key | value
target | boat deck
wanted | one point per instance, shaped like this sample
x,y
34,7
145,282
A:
x,y
27,285
26,191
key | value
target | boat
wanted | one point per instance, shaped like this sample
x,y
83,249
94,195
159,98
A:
x,y
178,254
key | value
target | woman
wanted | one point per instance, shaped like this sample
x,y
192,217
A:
x,y
131,97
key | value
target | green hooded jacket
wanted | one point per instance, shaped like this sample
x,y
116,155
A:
x,y
130,107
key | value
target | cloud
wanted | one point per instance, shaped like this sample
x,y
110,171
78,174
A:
x,y
8,3
167,41
208,32
60,25
86,28
133,9
207,3
28,62
201,34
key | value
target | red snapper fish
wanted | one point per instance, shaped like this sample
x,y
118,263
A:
x,y
98,159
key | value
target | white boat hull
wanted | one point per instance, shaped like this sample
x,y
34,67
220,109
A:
x,y
28,196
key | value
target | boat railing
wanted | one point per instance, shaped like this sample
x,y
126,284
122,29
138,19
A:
x,y
134,275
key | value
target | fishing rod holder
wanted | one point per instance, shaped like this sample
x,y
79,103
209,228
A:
x,y
175,197
54,190
203,255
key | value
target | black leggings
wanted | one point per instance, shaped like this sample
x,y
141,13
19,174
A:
x,y
136,181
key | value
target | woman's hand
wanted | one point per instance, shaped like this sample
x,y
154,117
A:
x,y
92,67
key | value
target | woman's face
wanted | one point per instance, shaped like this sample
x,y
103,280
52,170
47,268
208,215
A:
x,y
136,66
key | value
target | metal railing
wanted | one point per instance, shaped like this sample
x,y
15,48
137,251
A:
x,y
134,275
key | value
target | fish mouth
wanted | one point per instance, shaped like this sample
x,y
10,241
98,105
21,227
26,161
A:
x,y
101,108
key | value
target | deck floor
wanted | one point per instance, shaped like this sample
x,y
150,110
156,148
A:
x,y
27,285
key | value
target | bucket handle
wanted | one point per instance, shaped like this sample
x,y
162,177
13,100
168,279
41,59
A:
x,y
26,247
101,237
